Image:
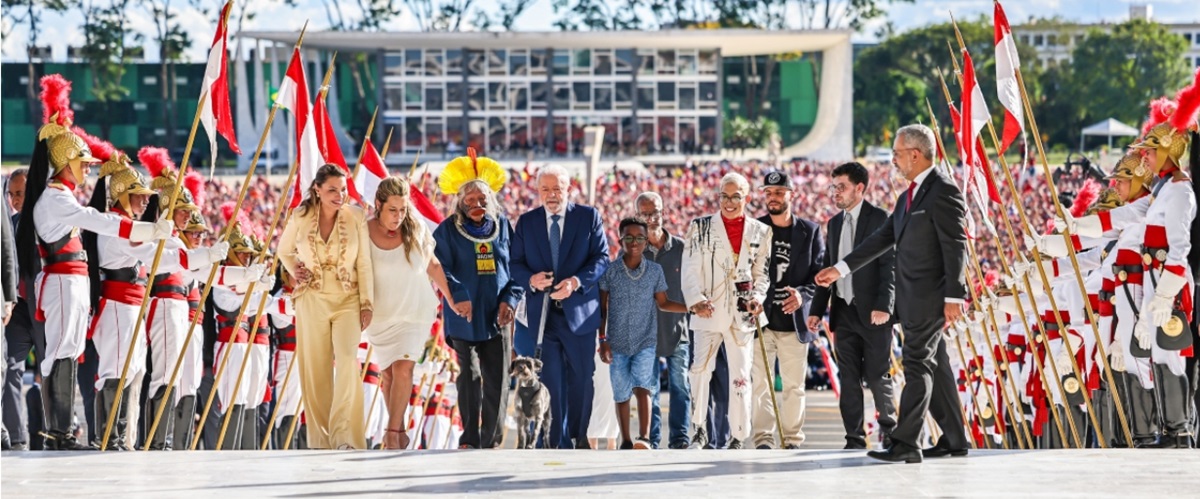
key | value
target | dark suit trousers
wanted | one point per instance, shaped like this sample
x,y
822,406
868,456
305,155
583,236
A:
x,y
20,336
568,364
718,403
863,356
481,390
929,385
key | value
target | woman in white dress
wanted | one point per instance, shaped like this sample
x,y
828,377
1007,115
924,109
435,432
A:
x,y
405,303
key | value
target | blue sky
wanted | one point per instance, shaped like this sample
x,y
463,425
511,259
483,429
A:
x,y
62,30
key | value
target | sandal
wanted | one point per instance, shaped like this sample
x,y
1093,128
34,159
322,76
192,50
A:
x,y
402,441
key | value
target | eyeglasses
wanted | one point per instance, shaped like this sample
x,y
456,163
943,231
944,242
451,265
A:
x,y
633,239
732,199
898,151
838,188
654,215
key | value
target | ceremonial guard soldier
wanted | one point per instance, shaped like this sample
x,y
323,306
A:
x,y
168,316
50,249
283,328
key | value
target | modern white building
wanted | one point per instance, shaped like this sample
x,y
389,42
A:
x,y
1055,42
520,94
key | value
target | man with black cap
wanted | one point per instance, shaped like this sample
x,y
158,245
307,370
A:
x,y
797,254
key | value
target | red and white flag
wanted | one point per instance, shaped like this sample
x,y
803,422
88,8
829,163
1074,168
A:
x,y
1007,63
293,95
217,115
975,117
974,181
372,172
331,152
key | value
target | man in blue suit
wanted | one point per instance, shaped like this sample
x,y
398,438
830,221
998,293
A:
x,y
559,252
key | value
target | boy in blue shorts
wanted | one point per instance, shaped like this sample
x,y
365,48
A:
x,y
629,291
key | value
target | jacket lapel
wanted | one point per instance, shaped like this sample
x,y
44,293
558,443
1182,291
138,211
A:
x,y
569,227
861,224
537,221
917,198
721,242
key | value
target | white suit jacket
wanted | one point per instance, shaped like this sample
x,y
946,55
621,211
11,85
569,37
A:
x,y
709,271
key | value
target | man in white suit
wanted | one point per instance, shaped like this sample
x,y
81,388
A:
x,y
724,284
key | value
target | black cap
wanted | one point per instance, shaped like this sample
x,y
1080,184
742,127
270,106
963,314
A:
x,y
777,179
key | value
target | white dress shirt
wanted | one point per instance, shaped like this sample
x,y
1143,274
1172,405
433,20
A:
x,y
844,270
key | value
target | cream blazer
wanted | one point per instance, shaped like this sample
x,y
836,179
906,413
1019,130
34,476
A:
x,y
709,272
352,263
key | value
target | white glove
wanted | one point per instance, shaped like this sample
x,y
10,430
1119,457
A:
x,y
1033,241
1162,304
1009,281
987,300
1116,356
255,272
1054,246
267,282
218,252
1021,267
146,231
1143,332
1063,362
1088,226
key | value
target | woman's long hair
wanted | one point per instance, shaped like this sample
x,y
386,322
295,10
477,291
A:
x,y
410,227
311,199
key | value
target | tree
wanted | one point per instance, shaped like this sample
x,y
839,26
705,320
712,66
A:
x,y
852,14
505,16
1114,74
106,30
597,15
172,42
30,12
892,79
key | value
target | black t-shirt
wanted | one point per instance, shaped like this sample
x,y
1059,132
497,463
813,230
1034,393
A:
x,y
781,259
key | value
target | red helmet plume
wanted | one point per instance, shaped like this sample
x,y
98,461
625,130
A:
x,y
1161,110
1089,192
156,160
194,182
101,149
1187,103
56,99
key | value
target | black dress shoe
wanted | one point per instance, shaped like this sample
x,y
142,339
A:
x,y
582,443
939,451
855,446
897,453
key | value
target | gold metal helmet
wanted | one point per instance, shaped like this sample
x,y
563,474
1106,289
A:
x,y
66,149
1107,200
1167,141
1132,167
165,184
196,223
240,242
123,181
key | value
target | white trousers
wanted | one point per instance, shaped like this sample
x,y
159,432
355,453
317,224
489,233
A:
x,y
1126,320
65,300
237,352
114,330
738,349
168,322
258,373
793,367
193,363
286,397
377,418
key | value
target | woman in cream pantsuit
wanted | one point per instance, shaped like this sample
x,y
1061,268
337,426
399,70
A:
x,y
327,248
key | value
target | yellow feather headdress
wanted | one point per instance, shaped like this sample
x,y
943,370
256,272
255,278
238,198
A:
x,y
464,169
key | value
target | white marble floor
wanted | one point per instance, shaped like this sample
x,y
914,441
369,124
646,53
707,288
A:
x,y
641,474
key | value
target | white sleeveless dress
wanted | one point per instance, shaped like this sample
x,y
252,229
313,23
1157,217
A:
x,y
405,302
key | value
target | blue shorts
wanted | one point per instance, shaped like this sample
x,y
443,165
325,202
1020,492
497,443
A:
x,y
629,372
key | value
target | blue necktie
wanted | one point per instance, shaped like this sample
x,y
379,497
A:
x,y
555,239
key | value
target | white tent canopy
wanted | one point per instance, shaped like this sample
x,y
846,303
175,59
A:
x,y
1108,128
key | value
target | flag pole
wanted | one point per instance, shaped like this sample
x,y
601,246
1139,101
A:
x,y
135,338
287,377
212,274
281,211
362,148
1087,303
1032,339
1012,406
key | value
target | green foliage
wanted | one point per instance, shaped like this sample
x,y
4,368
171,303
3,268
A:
x,y
893,79
741,133
1113,74
106,30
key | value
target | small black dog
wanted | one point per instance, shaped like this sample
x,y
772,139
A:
x,y
532,404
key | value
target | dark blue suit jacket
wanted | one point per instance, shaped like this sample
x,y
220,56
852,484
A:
x,y
583,253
